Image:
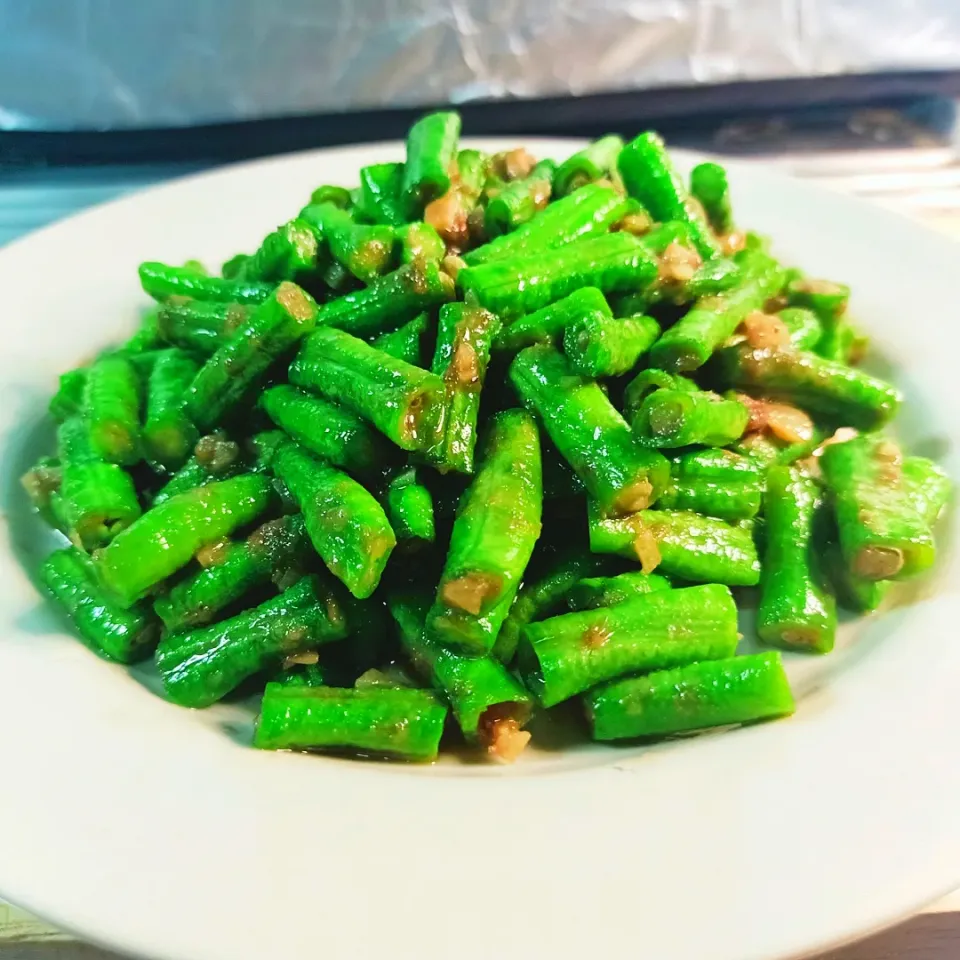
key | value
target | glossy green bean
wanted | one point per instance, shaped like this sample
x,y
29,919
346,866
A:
x,y
563,656
595,162
518,201
162,281
406,343
709,186
591,593
200,326
365,250
68,400
381,185
409,507
724,499
288,253
112,398
600,346
803,325
169,435
679,418
431,150
548,324
710,694
420,241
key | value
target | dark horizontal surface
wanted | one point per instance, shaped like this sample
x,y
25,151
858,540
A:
x,y
679,112
932,936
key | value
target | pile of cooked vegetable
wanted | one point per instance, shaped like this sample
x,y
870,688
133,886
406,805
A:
x,y
475,438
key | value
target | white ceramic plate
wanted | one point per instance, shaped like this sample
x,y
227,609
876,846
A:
x,y
158,831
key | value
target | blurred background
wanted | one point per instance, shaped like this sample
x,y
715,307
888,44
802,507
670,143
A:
x,y
98,97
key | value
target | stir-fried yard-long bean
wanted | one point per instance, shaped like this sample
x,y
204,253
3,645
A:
x,y
481,435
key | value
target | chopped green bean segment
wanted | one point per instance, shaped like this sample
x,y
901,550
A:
x,y
603,347
420,241
406,342
542,596
346,525
596,162
330,431
693,339
828,300
404,402
679,543
714,693
389,300
563,656
883,534
714,464
380,720
431,151
678,418
708,184
548,324
272,552
811,382
168,535
647,381
161,282
68,400
115,633
497,525
593,592
587,212
169,436
588,431
729,500
366,251
286,254
649,175
111,408
200,326
796,611
803,325
227,378
517,202
464,338
330,193
489,703
409,506
97,499
380,189
202,666
615,263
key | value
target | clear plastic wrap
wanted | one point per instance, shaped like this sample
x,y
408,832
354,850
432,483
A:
x,y
99,64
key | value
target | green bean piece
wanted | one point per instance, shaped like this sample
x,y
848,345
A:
x,y
214,458
272,552
649,175
723,499
710,694
409,506
843,343
680,544
723,466
854,593
518,201
380,201
809,382
330,193
68,400
404,402
494,533
202,666
162,281
147,336
234,267
288,253
365,250
227,377
542,596
431,150
803,325
42,483
615,263
116,634
169,534
796,611
381,720
693,339
346,525
389,301
563,656
304,675
603,347
679,418
169,435
592,593
420,241
490,705
650,380
465,335
587,212
473,168
596,162
883,534
927,485
764,449
828,300
406,342
97,499
548,324
588,431
111,408
709,186
200,326
330,431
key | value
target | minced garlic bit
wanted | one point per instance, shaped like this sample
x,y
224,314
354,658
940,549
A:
x,y
465,366
469,591
678,264
505,740
518,163
764,331
841,435
595,636
785,422
647,550
307,658
447,215
732,242
212,554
